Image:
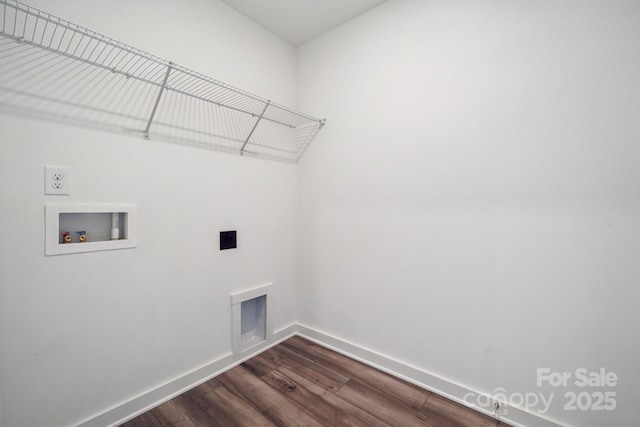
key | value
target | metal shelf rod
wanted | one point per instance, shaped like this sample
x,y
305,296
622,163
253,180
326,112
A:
x,y
155,106
253,129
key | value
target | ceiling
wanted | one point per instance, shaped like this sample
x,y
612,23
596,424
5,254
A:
x,y
298,21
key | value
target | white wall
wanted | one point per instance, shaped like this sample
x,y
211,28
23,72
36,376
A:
x,y
472,207
83,333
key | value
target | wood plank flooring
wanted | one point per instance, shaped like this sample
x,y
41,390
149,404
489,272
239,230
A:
x,y
300,383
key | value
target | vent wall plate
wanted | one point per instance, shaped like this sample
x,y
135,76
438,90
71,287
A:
x,y
251,320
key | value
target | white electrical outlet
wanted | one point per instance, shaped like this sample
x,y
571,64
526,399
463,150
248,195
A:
x,y
57,180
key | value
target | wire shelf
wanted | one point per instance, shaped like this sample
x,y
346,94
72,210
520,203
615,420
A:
x,y
56,70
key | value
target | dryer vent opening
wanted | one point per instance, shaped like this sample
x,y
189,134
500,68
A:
x,y
251,324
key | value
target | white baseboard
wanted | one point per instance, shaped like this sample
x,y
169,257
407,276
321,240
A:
x,y
446,388
140,404
132,408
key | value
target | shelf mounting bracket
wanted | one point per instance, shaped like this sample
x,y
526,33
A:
x,y
145,134
255,125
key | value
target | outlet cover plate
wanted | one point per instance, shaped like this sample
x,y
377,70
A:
x,y
57,180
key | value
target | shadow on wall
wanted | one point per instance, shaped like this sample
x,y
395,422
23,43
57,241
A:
x,y
61,72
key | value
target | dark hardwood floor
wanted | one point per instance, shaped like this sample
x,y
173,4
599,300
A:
x,y
300,383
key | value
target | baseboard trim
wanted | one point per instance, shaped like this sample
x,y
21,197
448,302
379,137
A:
x,y
446,388
130,409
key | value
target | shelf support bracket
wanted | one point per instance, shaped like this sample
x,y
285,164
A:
x,y
255,125
145,134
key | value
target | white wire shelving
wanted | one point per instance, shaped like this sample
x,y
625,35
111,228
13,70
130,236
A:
x,y
56,70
